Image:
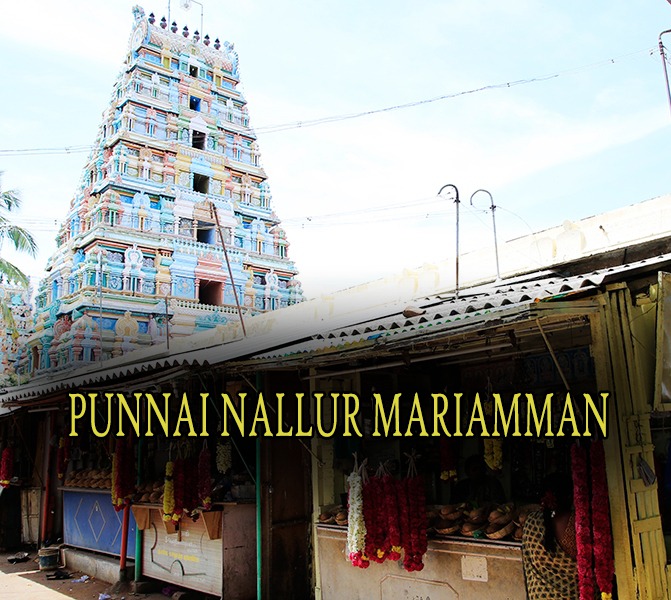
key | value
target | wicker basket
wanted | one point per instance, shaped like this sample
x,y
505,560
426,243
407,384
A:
x,y
450,530
503,532
469,532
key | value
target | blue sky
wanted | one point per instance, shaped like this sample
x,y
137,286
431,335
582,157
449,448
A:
x,y
593,138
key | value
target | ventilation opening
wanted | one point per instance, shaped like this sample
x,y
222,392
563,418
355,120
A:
x,y
209,292
205,232
201,183
198,140
36,359
194,103
193,71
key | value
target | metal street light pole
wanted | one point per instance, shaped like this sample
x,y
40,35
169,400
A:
x,y
187,5
456,260
666,73
492,207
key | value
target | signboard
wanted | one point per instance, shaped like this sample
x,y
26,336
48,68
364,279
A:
x,y
91,523
188,557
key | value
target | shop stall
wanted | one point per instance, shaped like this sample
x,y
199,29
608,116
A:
x,y
476,492
192,512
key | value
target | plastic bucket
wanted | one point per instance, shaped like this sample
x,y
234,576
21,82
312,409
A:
x,y
48,558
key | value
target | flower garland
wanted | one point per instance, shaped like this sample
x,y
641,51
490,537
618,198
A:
x,y
603,539
417,544
191,500
583,523
403,514
178,480
62,456
115,469
356,527
6,466
392,543
373,518
493,454
169,492
123,475
205,479
224,457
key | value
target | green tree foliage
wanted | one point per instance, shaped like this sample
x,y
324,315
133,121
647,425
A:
x,y
19,238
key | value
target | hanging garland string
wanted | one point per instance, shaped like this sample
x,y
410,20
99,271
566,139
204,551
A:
x,y
372,518
583,522
205,478
415,547
123,474
62,456
178,479
169,491
6,466
392,542
356,527
191,500
404,515
603,538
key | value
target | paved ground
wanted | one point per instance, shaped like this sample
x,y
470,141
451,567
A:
x,y
25,581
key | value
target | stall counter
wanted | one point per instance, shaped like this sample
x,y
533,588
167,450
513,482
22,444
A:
x,y
454,569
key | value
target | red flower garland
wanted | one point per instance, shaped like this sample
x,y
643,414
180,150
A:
x,y
6,466
123,471
191,500
205,479
583,523
416,546
178,479
374,519
603,539
392,543
403,515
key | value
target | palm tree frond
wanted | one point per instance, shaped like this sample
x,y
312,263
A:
x,y
10,200
13,273
21,238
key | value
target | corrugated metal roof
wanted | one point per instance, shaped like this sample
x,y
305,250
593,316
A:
x,y
310,327
482,303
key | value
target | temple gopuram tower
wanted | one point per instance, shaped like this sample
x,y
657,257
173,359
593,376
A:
x,y
175,168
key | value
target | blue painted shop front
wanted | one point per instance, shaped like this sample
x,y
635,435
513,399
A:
x,y
91,523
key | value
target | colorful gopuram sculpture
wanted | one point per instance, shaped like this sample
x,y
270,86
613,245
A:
x,y
15,327
174,171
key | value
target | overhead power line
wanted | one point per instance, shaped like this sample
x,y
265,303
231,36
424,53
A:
x,y
343,117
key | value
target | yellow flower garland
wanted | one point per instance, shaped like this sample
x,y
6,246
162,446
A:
x,y
168,492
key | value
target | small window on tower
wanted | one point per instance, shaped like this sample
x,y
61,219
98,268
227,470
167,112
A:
x,y
194,103
201,183
193,71
198,140
205,232
210,292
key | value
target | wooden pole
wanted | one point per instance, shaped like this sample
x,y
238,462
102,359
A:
x,y
213,212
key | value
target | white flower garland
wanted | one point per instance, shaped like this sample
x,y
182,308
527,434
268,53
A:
x,y
356,528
